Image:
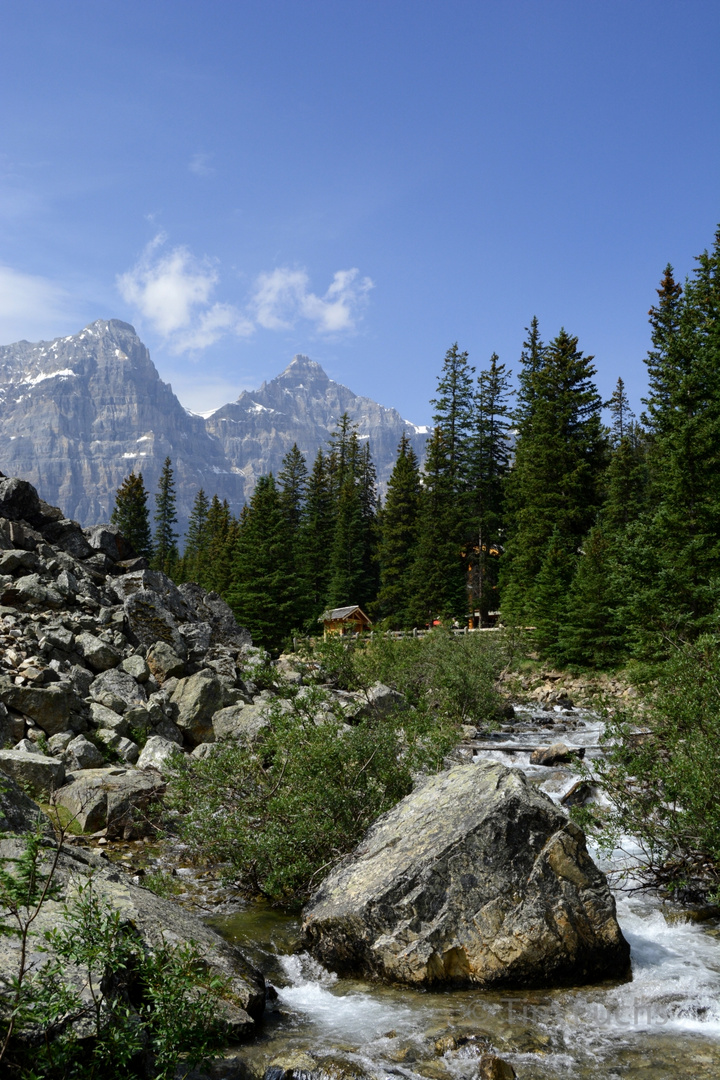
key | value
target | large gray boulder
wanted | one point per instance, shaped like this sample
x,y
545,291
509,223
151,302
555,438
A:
x,y
49,706
98,654
476,878
117,690
149,621
114,799
35,773
154,919
241,722
196,700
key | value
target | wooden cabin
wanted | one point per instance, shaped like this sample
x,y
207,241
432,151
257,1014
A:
x,y
344,620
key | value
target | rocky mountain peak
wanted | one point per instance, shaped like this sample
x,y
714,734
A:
x,y
79,413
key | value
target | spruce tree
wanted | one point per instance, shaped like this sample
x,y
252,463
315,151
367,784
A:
x,y
130,514
438,580
292,484
398,536
488,468
165,555
261,590
555,484
683,420
454,414
221,530
195,555
592,633
314,543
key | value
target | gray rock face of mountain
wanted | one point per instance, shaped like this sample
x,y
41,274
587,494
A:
x,y
79,413
303,405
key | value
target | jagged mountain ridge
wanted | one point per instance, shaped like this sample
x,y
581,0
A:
x,y
79,413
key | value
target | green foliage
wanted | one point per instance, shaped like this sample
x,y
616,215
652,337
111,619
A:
x,y
398,536
560,455
165,555
447,677
130,514
139,1012
662,784
262,590
282,812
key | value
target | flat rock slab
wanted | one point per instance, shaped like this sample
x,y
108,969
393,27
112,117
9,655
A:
x,y
35,773
474,879
113,799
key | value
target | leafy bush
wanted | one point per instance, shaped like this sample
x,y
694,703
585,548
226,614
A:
x,y
282,812
452,676
662,775
142,1011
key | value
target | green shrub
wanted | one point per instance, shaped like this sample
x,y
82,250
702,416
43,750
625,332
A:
x,y
282,812
662,775
451,675
143,1011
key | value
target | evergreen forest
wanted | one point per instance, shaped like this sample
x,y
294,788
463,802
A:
x,y
538,505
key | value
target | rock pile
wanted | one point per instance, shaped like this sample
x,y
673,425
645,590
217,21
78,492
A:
x,y
106,667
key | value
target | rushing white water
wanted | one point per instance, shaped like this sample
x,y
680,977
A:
x,y
662,1024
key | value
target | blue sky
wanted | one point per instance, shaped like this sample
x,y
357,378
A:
x,y
364,181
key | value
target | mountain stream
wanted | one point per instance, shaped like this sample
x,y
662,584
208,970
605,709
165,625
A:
x,y
663,1023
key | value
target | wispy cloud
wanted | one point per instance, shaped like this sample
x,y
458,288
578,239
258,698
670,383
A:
x,y
32,307
173,290
283,296
200,165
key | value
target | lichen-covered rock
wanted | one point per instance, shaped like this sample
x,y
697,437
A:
x,y
156,753
164,662
196,700
476,878
135,665
149,621
48,706
115,799
80,753
99,655
35,773
241,722
117,690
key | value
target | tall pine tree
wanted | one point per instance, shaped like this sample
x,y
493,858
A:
x,y
398,536
165,555
130,514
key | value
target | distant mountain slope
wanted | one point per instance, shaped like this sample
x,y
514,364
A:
x,y
79,413
303,405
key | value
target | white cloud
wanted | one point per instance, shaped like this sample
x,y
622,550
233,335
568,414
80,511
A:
x,y
173,290
32,307
282,296
200,165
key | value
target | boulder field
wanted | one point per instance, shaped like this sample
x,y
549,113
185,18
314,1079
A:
x,y
475,879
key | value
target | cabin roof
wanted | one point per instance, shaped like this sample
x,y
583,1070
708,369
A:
x,y
339,613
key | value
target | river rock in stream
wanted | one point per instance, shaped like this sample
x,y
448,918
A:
x,y
475,879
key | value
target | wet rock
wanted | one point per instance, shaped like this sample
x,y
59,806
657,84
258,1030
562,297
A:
x,y
557,754
36,773
476,878
491,1067
117,690
164,663
157,753
48,706
196,700
80,753
113,799
97,653
293,1065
